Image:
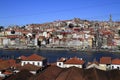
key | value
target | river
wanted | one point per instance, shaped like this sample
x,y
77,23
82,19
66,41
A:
x,y
53,55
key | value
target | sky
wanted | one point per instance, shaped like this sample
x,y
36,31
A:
x,y
22,12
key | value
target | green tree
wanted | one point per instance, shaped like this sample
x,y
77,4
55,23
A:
x,y
119,32
118,47
1,28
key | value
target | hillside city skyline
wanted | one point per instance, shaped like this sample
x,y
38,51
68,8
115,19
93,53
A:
x,y
24,12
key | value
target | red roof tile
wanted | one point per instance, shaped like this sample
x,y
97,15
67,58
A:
x,y
105,60
74,60
1,60
7,72
34,57
7,64
22,57
12,36
116,61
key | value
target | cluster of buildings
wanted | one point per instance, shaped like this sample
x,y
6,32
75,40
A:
x,y
80,34
105,63
36,63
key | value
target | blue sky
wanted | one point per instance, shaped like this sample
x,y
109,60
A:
x,y
22,12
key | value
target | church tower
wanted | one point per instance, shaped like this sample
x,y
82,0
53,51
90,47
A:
x,y
110,18
110,21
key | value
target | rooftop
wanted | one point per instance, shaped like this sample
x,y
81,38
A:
x,y
74,60
34,57
116,61
105,60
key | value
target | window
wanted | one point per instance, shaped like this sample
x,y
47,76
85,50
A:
x,y
38,63
59,63
118,68
112,67
33,63
23,63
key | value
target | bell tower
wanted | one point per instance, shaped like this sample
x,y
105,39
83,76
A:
x,y
110,18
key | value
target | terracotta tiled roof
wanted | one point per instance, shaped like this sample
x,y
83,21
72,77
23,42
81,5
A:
x,y
12,36
34,57
106,32
72,73
116,61
1,60
50,73
22,75
7,72
17,65
22,57
29,67
105,60
7,64
1,78
74,60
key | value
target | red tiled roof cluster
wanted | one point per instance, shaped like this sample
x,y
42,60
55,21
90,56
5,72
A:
x,y
105,60
22,75
106,32
74,73
7,64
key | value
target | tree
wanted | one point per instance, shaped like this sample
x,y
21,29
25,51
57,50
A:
x,y
118,47
12,32
119,32
1,28
71,25
22,27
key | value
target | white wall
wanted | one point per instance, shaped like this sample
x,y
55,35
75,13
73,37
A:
x,y
71,65
16,33
2,75
36,42
102,66
60,64
115,66
5,41
92,66
37,63
33,72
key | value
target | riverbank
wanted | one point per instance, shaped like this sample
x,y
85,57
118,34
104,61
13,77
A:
x,y
56,48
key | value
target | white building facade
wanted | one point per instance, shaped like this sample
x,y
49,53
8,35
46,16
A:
x,y
34,60
66,63
115,64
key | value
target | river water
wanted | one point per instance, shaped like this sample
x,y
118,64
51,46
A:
x,y
53,55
